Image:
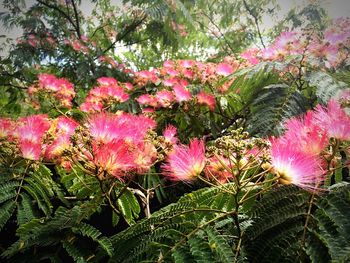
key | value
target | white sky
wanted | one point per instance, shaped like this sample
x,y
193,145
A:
x,y
335,8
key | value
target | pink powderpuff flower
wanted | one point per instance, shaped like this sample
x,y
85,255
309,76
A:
x,y
224,69
168,64
219,167
127,86
170,134
295,167
107,81
251,56
6,127
170,82
66,125
114,157
187,63
165,98
334,120
207,99
57,147
30,149
33,128
185,163
308,136
181,93
145,154
147,99
102,127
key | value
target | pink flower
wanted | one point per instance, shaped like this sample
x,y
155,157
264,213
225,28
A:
x,y
334,120
66,125
295,167
185,162
170,134
219,168
102,127
165,98
308,136
30,149
224,69
147,99
114,157
145,155
206,99
33,128
181,93
57,147
107,81
6,127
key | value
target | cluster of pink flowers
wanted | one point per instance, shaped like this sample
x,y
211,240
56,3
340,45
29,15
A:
x,y
82,45
38,41
119,143
174,82
109,91
298,157
330,50
60,88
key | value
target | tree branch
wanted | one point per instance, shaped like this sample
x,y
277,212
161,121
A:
x,y
256,21
76,18
65,15
128,29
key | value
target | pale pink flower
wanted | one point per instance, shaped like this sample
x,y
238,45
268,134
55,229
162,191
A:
x,y
170,134
33,128
66,125
57,147
334,120
30,149
145,154
308,136
295,167
219,167
185,163
224,69
147,99
107,81
181,93
6,127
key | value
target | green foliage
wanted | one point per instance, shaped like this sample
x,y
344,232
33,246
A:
x,y
326,85
292,225
284,102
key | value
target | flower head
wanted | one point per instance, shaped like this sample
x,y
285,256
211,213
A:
x,y
207,99
114,157
185,162
295,167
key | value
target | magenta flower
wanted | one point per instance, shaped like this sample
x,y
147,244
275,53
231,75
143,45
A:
x,y
185,163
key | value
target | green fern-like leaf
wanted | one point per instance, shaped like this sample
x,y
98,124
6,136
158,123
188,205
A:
x,y
274,105
326,86
6,211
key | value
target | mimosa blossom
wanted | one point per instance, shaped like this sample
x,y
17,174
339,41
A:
x,y
295,167
185,163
